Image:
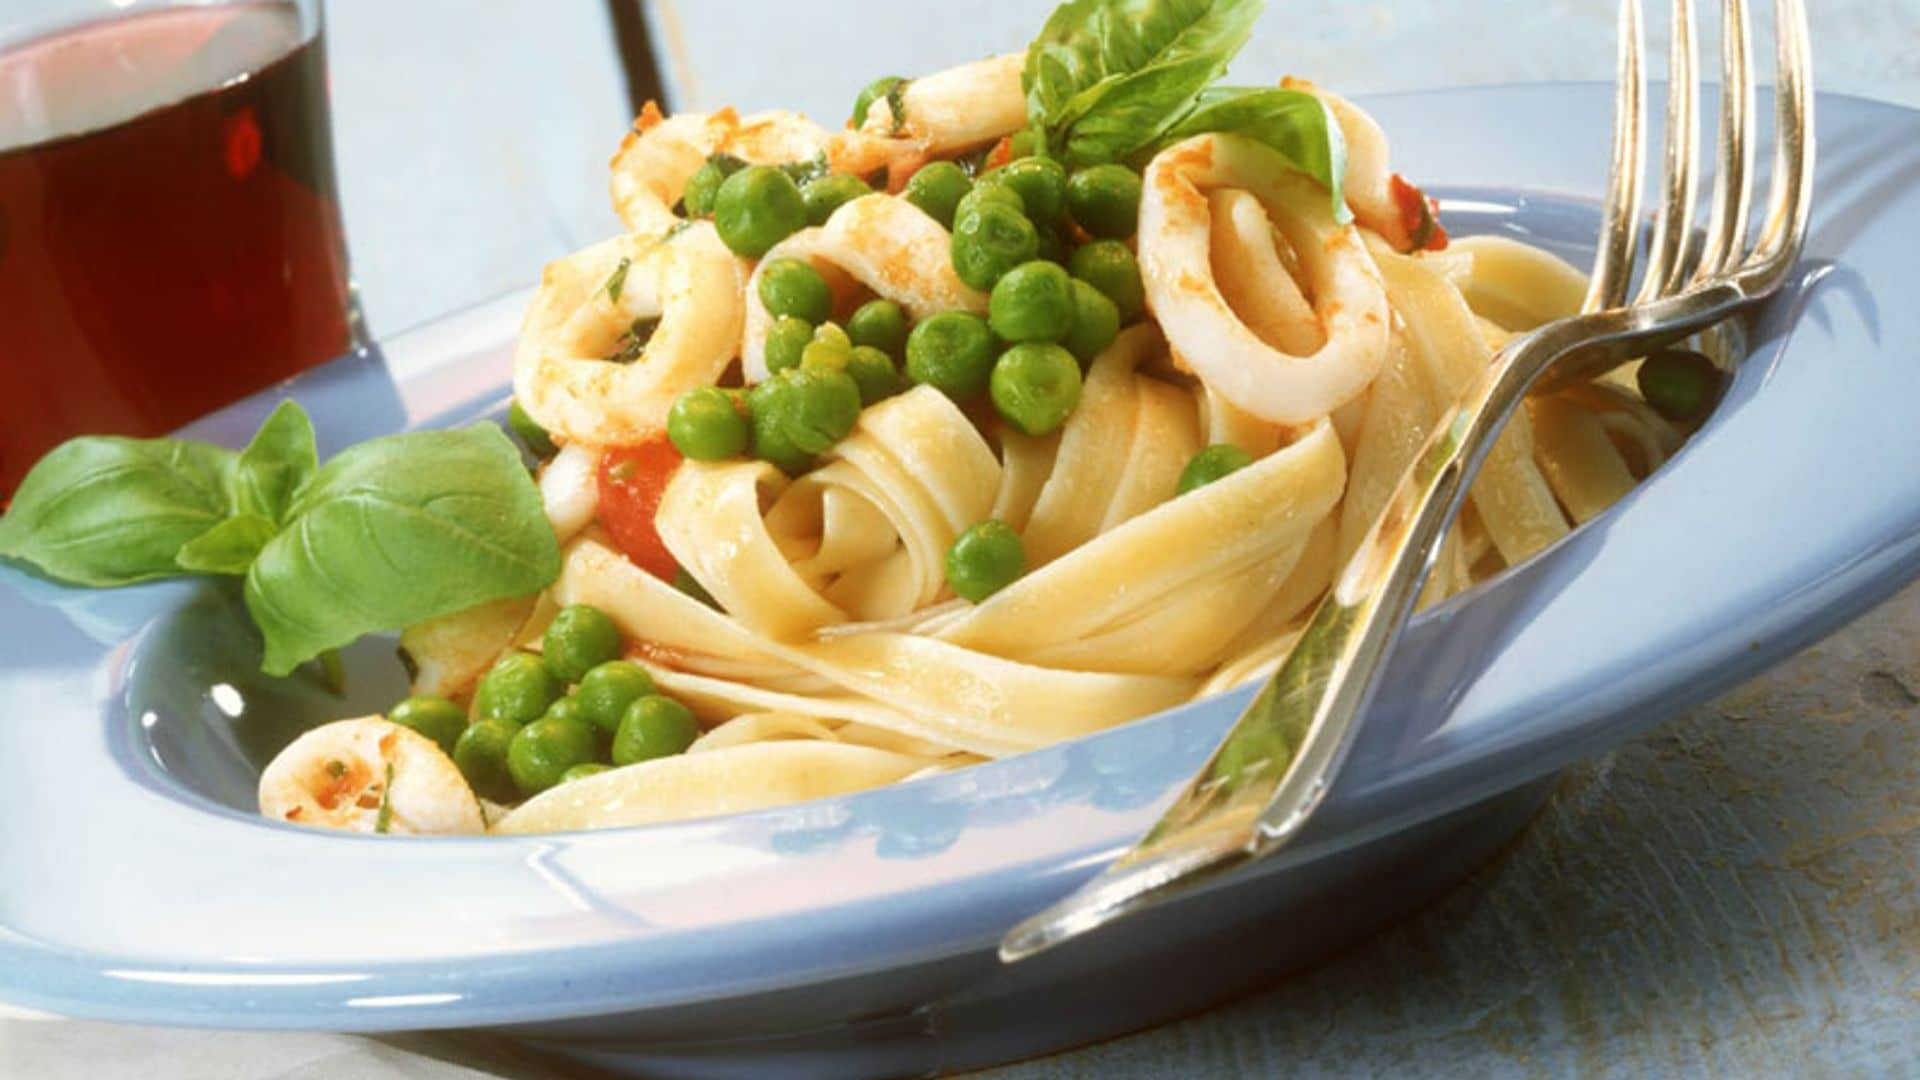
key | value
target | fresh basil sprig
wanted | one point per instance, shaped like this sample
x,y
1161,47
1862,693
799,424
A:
x,y
110,511
1110,80
389,533
1105,77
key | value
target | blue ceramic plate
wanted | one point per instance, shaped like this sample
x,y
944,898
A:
x,y
855,934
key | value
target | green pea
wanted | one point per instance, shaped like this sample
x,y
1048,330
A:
x,y
829,349
989,189
605,692
873,92
567,708
805,410
1109,266
824,407
1211,464
1041,184
830,193
1035,386
765,415
1025,143
1032,302
653,727
580,638
873,371
786,340
542,752
697,198
583,770
1680,384
435,717
1096,322
1053,246
825,356
989,239
937,189
529,432
704,425
609,688
879,324
756,208
794,287
952,352
517,689
481,755
831,334
985,559
1105,200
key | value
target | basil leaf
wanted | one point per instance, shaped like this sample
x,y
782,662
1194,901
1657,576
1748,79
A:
x,y
1107,77
104,510
617,281
273,466
229,547
396,531
1294,122
809,170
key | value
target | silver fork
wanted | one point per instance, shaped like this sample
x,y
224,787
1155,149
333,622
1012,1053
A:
x,y
1277,763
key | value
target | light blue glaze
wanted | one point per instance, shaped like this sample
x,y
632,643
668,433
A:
x,y
131,895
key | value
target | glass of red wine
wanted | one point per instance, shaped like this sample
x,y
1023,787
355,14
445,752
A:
x,y
170,234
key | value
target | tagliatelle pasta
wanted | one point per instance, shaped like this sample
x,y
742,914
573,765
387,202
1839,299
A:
x,y
941,500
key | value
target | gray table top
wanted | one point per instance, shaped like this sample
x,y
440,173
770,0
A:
x,y
1736,893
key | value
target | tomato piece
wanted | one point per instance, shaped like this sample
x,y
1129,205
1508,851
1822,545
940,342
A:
x,y
1419,215
631,480
1001,153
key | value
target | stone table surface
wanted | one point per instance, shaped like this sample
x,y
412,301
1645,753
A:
x,y
1735,893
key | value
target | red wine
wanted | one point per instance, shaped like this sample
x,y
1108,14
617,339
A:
x,y
169,227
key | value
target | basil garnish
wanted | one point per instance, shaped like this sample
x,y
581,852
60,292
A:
x,y
617,281
1112,80
106,510
1106,78
389,533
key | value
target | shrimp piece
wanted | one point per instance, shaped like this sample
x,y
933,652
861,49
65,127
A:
x,y
881,241
1380,198
586,369
659,156
369,775
1347,297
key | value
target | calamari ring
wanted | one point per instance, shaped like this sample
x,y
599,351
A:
x,y
883,242
946,113
655,161
563,374
1206,333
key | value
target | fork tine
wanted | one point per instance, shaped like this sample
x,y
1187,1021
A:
x,y
1733,185
1673,230
1620,225
1790,197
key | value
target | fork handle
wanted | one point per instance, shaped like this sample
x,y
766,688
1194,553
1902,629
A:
x,y
1293,738
1278,761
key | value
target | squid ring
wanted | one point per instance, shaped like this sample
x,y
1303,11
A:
x,y
582,370
1346,294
